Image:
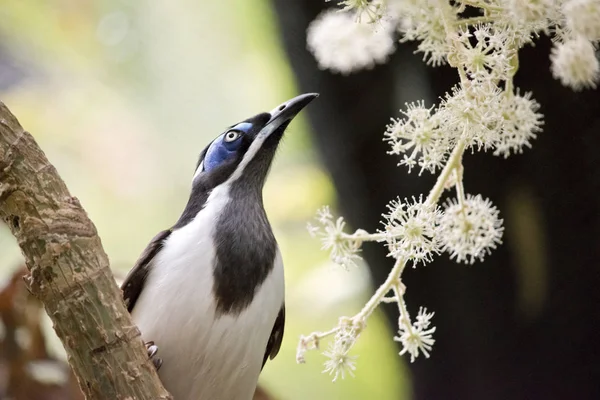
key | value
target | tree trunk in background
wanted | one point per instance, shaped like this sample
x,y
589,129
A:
x,y
524,323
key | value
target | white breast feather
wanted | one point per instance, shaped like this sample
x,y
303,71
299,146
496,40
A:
x,y
204,358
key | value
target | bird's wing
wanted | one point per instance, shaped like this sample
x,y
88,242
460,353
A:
x,y
276,337
134,282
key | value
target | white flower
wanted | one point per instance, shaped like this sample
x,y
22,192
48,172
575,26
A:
x,y
425,21
527,16
411,230
521,123
343,45
469,233
574,62
339,362
416,338
418,138
525,19
324,215
312,229
423,319
473,112
374,10
583,17
532,12
489,53
343,250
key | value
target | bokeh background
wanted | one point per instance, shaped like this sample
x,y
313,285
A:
x,y
123,96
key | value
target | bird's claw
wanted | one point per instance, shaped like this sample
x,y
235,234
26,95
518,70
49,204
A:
x,y
157,363
152,350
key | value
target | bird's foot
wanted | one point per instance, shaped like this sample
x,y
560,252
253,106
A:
x,y
152,350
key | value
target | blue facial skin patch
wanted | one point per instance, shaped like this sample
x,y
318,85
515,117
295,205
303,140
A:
x,y
242,126
220,150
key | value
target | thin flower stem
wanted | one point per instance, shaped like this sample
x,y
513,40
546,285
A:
x,y
404,316
452,163
389,299
509,87
364,236
462,74
317,336
392,280
392,283
330,332
460,192
442,3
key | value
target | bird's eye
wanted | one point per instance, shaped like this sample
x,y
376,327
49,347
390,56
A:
x,y
231,136
223,148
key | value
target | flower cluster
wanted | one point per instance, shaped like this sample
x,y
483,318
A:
x,y
417,337
372,10
443,35
575,64
339,361
342,45
478,112
343,248
416,230
418,138
582,16
574,59
425,21
411,230
471,230
520,124
484,111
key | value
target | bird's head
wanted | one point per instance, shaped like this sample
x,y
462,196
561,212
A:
x,y
243,153
247,148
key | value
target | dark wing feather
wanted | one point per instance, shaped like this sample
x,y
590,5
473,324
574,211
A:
x,y
134,282
274,342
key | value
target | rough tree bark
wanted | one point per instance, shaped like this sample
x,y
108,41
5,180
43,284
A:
x,y
70,274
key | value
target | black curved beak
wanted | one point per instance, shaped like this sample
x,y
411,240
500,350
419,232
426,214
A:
x,y
264,143
287,111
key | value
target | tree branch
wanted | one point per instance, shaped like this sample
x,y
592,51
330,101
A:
x,y
70,274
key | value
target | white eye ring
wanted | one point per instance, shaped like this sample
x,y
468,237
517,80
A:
x,y
231,136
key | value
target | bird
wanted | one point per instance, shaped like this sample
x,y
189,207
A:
x,y
208,293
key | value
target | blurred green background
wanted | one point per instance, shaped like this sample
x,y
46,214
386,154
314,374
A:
x,y
122,96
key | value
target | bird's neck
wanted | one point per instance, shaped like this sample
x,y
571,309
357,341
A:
x,y
244,244
245,250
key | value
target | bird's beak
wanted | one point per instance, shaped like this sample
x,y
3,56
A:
x,y
285,112
259,155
